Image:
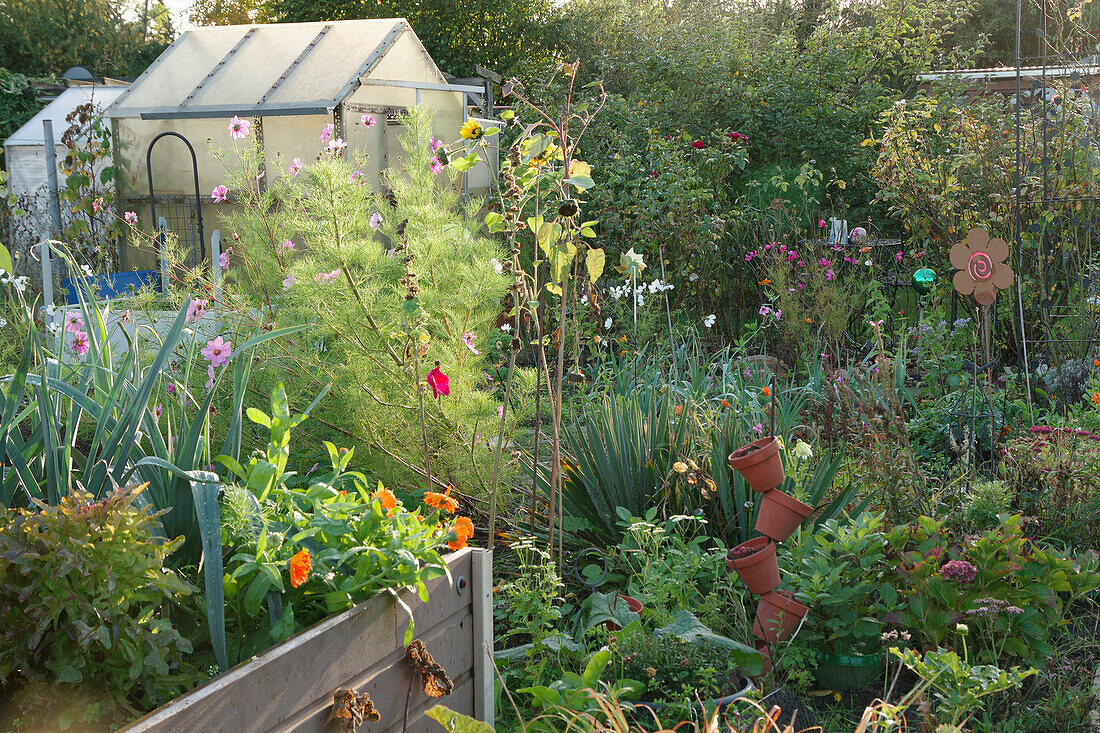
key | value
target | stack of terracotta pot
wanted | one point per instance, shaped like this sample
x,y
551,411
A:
x,y
777,612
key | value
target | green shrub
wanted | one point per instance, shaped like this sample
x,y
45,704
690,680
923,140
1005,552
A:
x,y
83,593
985,501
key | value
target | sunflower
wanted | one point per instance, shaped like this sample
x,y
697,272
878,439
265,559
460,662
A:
x,y
471,130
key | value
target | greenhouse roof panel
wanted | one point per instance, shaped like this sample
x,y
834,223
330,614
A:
x,y
277,69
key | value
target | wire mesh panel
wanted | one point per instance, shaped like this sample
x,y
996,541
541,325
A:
x,y
182,219
1057,127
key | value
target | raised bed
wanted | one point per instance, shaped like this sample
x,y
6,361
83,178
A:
x,y
290,687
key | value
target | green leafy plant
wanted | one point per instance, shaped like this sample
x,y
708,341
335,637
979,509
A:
x,y
525,606
844,579
85,597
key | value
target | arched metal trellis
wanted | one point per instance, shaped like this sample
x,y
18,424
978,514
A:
x,y
200,243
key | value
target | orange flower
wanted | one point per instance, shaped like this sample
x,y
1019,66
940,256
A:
x,y
765,281
767,391
444,501
679,409
622,353
464,530
300,566
725,403
622,339
1096,362
1096,398
343,492
389,501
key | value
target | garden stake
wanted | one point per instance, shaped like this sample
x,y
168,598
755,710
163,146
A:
x,y
772,401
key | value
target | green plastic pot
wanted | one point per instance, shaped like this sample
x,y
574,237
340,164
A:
x,y
848,671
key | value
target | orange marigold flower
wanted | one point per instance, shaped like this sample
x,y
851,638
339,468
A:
x,y
622,353
300,565
622,339
389,501
767,391
441,501
464,530
725,403
1096,398
1096,362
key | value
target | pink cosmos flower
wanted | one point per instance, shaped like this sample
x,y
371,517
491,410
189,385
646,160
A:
x,y
289,281
79,344
287,244
74,323
355,176
238,128
435,165
196,310
130,217
218,352
156,412
210,375
336,145
758,428
296,166
367,121
223,259
830,274
468,341
219,194
326,132
898,256
171,388
439,382
434,144
375,220
327,277
97,204
821,223
500,410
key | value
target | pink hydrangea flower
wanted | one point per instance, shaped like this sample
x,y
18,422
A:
x,y
439,382
218,352
326,132
296,166
130,217
468,341
959,571
368,121
219,194
238,128
79,344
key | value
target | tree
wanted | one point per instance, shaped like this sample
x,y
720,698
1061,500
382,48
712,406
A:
x,y
47,36
502,35
224,12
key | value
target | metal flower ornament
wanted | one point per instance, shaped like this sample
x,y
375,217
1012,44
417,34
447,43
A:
x,y
981,266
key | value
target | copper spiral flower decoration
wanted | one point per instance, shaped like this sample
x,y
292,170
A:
x,y
980,262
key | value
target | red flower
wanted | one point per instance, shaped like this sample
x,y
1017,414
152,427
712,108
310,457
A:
x,y
735,136
439,382
698,145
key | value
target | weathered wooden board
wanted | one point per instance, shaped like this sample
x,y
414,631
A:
x,y
289,687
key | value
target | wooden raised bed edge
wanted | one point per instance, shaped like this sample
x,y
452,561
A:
x,y
290,686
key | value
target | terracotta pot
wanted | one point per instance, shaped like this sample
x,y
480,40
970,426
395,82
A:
x,y
779,514
766,652
759,463
755,561
777,617
634,604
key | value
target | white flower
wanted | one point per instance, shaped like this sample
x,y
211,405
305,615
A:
x,y
54,329
709,320
607,324
3,322
868,263
506,327
87,270
51,309
641,300
498,268
20,283
802,450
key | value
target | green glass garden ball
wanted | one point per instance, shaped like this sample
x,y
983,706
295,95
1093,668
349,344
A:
x,y
923,279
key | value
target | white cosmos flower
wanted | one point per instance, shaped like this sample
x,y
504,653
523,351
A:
x,y
607,324
709,320
506,327
498,268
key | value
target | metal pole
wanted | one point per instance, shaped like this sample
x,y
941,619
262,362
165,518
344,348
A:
x,y
55,212
1022,345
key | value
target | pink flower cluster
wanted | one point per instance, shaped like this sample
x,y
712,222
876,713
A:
x,y
327,277
959,571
